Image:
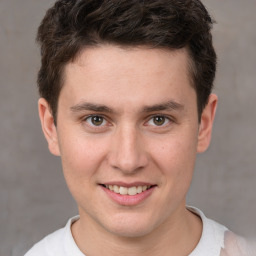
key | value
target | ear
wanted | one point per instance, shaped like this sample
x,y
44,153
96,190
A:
x,y
206,124
48,126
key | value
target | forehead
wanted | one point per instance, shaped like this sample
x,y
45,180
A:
x,y
131,74
140,58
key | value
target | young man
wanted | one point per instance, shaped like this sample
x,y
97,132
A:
x,y
126,103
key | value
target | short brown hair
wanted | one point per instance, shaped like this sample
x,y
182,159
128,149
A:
x,y
71,25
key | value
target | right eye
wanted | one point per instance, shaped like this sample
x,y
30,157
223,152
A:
x,y
95,120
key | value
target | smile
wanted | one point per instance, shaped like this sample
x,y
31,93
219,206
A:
x,y
131,191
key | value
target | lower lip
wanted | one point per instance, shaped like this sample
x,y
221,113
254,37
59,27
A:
x,y
128,200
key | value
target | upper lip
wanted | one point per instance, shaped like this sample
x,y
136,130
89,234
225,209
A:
x,y
128,185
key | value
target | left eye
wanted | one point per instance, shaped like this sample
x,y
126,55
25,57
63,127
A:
x,y
96,120
158,121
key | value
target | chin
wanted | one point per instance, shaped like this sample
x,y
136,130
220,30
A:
x,y
130,232
130,227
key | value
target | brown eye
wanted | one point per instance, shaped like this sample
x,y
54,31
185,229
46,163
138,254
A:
x,y
96,120
159,120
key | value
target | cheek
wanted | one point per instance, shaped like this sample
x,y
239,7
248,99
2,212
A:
x,y
81,161
176,159
80,158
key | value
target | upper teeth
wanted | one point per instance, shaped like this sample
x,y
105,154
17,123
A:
x,y
127,191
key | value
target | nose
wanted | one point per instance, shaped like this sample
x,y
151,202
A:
x,y
127,152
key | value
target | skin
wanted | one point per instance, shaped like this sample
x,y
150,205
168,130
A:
x,y
130,90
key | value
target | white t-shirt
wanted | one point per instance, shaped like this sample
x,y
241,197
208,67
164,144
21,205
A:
x,y
61,242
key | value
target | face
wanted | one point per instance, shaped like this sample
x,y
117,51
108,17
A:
x,y
128,133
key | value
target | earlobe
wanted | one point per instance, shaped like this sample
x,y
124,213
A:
x,y
206,124
48,126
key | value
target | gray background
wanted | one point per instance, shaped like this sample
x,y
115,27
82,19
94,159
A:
x,y
34,199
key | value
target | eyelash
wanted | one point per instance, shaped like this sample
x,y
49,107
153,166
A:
x,y
104,120
91,121
87,121
166,121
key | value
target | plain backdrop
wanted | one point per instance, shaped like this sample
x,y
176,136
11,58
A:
x,y
34,200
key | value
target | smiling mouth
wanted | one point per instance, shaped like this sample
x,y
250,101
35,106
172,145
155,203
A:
x,y
131,191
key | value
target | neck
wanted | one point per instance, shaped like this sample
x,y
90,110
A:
x,y
171,237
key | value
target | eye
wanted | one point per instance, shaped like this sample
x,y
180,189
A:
x,y
96,121
158,121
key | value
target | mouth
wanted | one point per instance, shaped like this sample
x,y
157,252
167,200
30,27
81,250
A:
x,y
131,191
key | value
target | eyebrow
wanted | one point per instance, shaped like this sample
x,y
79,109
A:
x,y
85,106
90,106
169,105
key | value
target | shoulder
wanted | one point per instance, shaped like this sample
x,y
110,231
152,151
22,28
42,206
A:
x,y
56,243
237,246
217,240
212,238
48,245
